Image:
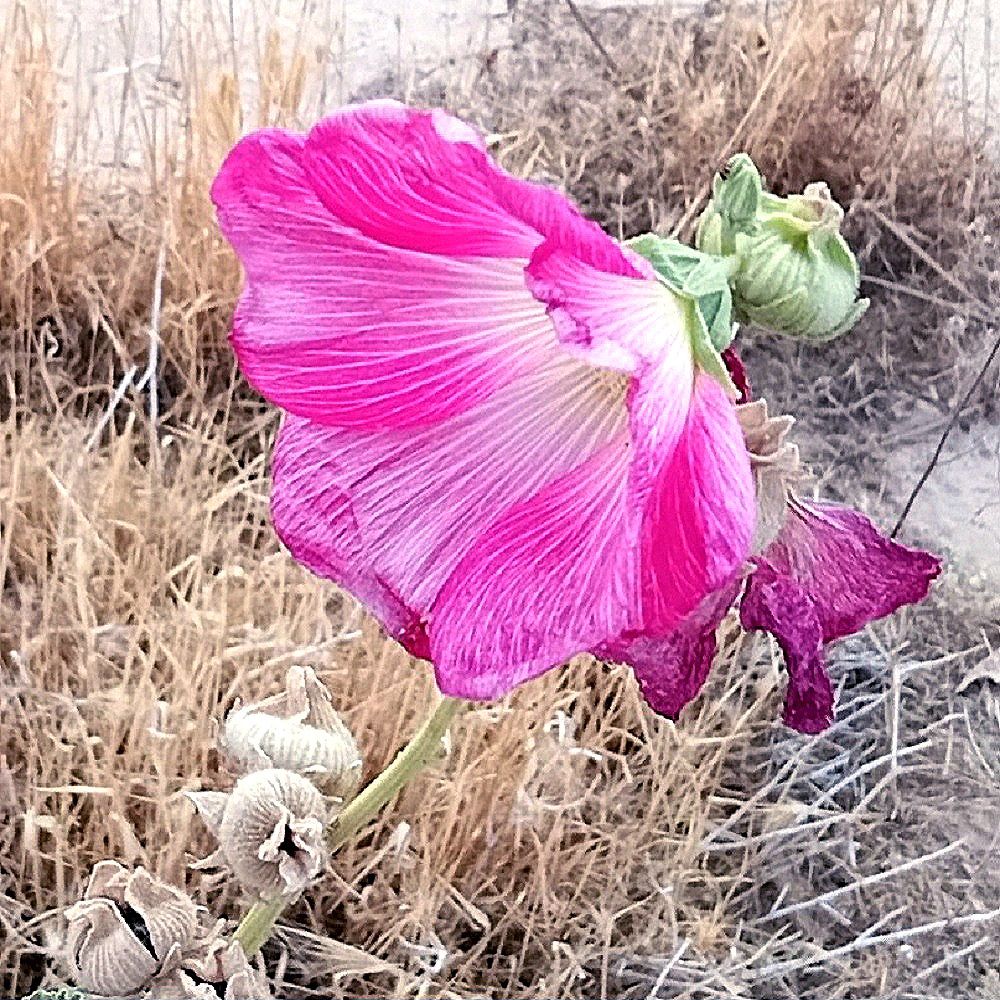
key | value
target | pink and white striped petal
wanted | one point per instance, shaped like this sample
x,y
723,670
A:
x,y
573,569
390,514
350,332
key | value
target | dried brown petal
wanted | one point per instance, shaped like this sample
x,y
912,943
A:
x,y
776,467
222,971
298,730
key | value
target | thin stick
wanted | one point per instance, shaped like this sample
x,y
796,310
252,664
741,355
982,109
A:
x,y
589,31
931,465
833,894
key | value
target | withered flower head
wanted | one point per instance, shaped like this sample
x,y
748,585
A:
x,y
776,467
223,972
128,927
298,730
270,830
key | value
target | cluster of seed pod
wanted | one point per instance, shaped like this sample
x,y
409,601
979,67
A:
x,y
296,763
133,935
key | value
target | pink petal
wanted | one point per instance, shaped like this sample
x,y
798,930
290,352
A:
x,y
672,670
828,574
636,325
598,560
422,180
389,514
371,297
700,510
348,332
418,180
315,520
777,604
620,318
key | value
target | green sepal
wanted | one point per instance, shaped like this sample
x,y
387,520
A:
x,y
703,282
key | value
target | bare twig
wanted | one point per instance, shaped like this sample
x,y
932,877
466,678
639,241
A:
x,y
932,464
592,35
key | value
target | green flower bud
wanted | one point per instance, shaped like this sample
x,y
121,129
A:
x,y
794,272
736,198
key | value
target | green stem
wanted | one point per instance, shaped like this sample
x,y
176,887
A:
x,y
255,928
424,746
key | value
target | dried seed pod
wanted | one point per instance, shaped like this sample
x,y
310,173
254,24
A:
x,y
223,971
270,830
776,467
298,730
128,927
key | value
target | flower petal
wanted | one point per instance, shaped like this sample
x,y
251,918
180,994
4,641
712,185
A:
x,y
852,572
384,257
777,604
390,514
574,568
349,332
828,574
672,670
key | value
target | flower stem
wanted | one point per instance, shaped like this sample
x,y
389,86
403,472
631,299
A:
x,y
422,748
256,926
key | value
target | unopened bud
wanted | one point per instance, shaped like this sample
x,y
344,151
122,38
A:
x,y
794,272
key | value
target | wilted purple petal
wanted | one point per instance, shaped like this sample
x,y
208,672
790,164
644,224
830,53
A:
x,y
828,574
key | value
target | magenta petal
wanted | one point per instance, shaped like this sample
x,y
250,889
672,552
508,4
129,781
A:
x,y
389,514
418,180
349,332
828,574
777,604
604,557
384,256
315,520
851,571
672,670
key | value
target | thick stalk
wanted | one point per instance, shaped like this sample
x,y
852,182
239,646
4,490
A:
x,y
256,926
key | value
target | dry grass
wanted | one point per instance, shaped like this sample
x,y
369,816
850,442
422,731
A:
x,y
571,844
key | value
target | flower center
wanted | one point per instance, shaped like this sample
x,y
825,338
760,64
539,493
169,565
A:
x,y
613,385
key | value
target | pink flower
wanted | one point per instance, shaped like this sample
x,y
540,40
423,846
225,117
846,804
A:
x,y
497,435
827,574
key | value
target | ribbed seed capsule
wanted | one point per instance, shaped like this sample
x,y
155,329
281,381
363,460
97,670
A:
x,y
222,973
270,829
128,927
298,730
776,467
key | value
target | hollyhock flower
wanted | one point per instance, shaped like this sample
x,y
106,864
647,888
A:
x,y
512,437
828,573
498,434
